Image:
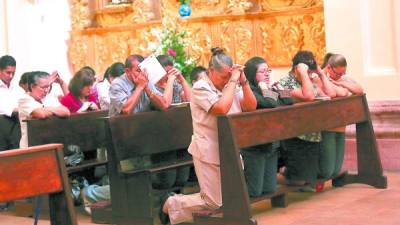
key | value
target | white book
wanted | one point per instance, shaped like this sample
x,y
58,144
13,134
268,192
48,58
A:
x,y
152,68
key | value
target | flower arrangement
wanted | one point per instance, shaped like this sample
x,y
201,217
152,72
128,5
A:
x,y
173,43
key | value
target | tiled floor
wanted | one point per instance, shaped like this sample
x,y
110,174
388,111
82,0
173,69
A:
x,y
350,205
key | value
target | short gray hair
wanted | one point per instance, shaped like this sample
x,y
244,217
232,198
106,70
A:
x,y
34,76
219,59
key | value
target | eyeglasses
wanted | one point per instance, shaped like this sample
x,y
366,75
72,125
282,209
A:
x,y
265,71
336,73
44,88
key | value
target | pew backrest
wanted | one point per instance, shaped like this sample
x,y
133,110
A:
x,y
148,133
35,171
78,129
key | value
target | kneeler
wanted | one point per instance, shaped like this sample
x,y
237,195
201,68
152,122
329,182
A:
x,y
36,171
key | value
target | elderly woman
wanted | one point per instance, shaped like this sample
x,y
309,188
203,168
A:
x,y
80,97
306,82
261,162
37,104
216,94
332,144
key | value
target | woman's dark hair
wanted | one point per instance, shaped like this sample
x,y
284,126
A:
x,y
219,59
165,60
305,57
194,75
81,79
24,78
250,69
106,74
7,60
335,60
90,70
34,76
116,69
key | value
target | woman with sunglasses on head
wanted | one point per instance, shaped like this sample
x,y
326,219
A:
x,y
332,144
261,162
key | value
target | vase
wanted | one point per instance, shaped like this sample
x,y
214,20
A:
x,y
185,10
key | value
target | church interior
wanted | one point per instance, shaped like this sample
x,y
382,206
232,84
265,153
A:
x,y
67,35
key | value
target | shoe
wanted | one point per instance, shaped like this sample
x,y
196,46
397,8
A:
x,y
319,187
164,218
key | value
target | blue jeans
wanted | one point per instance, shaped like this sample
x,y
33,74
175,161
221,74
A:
x,y
95,193
331,154
260,167
169,178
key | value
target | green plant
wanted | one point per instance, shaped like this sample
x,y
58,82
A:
x,y
173,43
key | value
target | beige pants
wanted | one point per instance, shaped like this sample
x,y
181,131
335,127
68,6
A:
x,y
180,207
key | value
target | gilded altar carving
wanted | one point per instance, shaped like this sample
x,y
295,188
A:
x,y
281,5
78,51
80,14
275,30
243,43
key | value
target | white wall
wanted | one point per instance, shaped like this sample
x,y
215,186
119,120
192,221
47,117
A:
x,y
3,28
367,32
37,35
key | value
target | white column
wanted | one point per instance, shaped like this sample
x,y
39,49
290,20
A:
x,y
38,34
3,28
367,32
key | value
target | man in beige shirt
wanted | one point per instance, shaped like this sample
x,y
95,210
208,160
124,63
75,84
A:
x,y
214,95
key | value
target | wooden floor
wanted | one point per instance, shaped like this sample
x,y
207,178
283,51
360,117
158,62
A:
x,y
350,205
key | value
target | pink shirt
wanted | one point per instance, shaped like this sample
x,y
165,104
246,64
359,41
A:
x,y
73,103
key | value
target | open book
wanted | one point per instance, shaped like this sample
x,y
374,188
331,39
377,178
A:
x,y
152,68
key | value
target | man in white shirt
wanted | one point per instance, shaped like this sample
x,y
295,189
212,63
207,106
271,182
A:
x,y
9,124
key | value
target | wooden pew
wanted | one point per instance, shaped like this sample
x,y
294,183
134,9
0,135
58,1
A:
x,y
243,130
142,134
35,171
78,129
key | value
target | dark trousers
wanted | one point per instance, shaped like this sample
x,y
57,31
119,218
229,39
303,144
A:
x,y
260,167
10,133
302,160
168,179
331,154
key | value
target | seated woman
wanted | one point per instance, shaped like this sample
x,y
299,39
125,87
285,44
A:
x,y
37,104
175,89
103,87
261,162
306,81
80,99
332,144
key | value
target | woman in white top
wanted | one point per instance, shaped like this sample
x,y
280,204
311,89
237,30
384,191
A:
x,y
35,104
